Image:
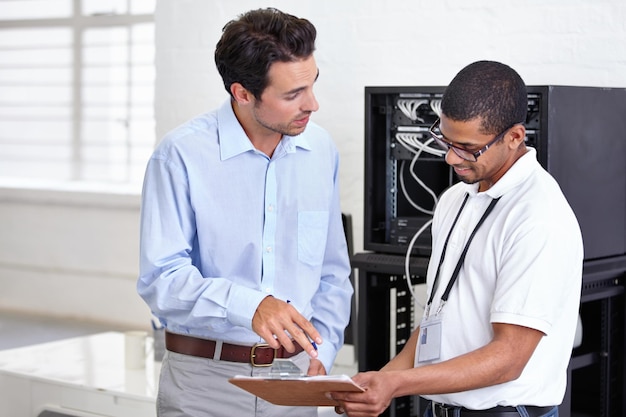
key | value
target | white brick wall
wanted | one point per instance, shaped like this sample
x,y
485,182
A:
x,y
395,42
78,256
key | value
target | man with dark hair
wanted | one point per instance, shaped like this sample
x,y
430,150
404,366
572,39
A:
x,y
505,272
243,254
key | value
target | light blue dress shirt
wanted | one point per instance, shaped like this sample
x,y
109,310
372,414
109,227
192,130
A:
x,y
223,226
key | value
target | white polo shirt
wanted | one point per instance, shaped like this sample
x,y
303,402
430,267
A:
x,y
523,267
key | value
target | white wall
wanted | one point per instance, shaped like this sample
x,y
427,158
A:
x,y
71,252
74,253
395,42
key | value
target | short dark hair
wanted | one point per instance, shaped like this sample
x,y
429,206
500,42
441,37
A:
x,y
488,90
255,40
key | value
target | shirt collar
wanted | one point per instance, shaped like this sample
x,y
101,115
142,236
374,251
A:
x,y
234,141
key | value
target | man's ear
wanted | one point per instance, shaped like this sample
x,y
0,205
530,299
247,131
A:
x,y
240,93
517,135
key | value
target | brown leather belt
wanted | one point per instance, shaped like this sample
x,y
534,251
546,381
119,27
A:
x,y
258,355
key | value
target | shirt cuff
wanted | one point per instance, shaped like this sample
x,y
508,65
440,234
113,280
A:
x,y
243,305
327,357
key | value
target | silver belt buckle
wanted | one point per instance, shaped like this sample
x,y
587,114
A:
x,y
441,410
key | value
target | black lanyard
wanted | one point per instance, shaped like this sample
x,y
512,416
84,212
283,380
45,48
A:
x,y
459,264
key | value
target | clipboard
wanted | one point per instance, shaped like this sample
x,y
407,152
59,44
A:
x,y
296,390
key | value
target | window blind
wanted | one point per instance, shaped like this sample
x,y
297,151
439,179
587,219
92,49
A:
x,y
76,89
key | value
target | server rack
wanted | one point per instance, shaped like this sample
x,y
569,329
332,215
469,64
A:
x,y
597,370
579,134
580,137
387,315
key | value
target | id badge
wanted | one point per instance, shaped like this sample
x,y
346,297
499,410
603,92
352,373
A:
x,y
429,341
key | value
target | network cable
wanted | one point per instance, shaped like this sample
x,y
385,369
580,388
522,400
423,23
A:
x,y
435,105
407,258
412,142
417,147
409,108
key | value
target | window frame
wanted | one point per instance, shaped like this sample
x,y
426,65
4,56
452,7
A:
x,y
78,23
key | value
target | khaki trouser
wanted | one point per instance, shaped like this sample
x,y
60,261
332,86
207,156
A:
x,y
197,387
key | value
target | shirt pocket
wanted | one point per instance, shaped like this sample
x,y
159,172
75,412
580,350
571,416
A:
x,y
312,231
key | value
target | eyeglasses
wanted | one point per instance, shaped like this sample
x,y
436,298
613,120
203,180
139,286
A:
x,y
460,152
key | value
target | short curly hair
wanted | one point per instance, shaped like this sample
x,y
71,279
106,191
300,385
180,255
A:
x,y
488,90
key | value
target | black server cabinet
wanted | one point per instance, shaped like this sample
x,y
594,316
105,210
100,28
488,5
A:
x,y
579,134
597,369
391,192
387,315
580,137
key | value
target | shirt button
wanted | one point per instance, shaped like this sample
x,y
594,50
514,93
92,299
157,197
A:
x,y
268,290
270,208
268,249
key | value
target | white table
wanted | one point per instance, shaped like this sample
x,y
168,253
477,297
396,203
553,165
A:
x,y
82,377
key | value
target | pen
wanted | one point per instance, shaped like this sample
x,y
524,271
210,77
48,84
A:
x,y
310,340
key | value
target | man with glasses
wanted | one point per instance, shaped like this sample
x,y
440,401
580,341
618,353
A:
x,y
505,272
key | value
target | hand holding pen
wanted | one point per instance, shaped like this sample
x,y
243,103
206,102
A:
x,y
276,320
310,340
